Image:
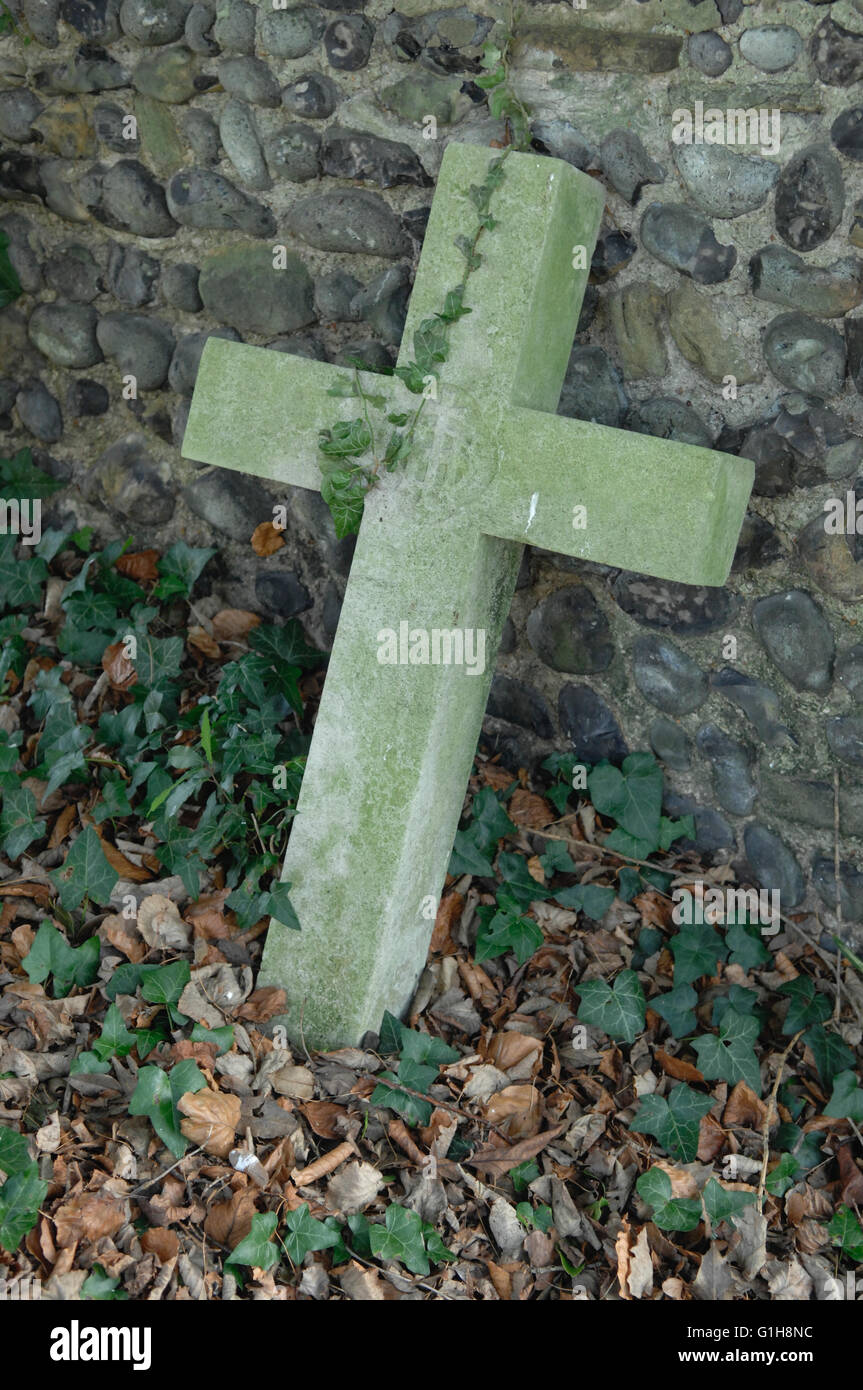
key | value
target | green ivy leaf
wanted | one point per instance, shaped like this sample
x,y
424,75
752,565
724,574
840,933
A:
x,y
783,1176
504,931
14,1153
669,1213
401,1238
731,1056
806,1006
221,1038
632,795
344,493
99,1287
722,1203
697,951
20,824
677,1007
156,1096
86,873
304,1234
115,1039
166,983
747,948
618,1010
674,1121
179,568
20,1199
844,1230
846,1102
51,954
831,1054
257,1249
590,898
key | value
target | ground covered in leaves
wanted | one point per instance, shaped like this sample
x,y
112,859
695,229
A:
x,y
597,1094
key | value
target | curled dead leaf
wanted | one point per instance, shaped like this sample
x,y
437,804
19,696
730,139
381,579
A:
x,y
264,1003
212,1118
89,1216
122,934
118,668
140,566
228,1222
266,540
161,1242
528,809
234,624
199,638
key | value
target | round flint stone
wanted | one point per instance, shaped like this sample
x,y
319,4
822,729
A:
x,y
187,358
518,703
66,334
203,199
73,273
797,638
180,287
281,593
588,722
773,865
849,670
683,239
141,347
241,286
667,677
39,412
723,183
290,33
312,95
348,42
846,133
249,79
682,608
670,744
810,198
154,21
709,53
128,480
351,220
771,47
569,632
805,354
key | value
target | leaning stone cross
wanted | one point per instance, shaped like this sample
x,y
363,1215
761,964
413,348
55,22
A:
x,y
492,468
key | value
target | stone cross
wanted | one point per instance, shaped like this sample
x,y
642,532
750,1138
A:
x,y
492,468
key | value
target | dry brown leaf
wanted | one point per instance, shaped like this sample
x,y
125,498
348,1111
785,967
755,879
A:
x,y
497,1159
711,1139
354,1188
140,566
365,1285
161,925
135,873
124,935
48,1138
683,1184
516,1110
449,911
324,1117
535,869
621,1250
744,1108
327,1163
850,1177
161,1242
266,540
677,1067
212,1119
263,1004
227,1223
118,668
89,1216
528,809
62,825
501,1279
199,638
233,624
509,1048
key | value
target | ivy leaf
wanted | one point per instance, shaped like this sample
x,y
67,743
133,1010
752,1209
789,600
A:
x,y
731,1056
344,494
305,1233
466,856
166,983
844,1230
346,439
179,568
618,1011
519,884
21,583
490,819
745,1001
221,1038
20,1199
669,1213
401,1238
504,931
747,948
19,823
697,951
430,344
556,860
415,1110
51,954
86,873
674,1121
422,1047
102,1288
806,1006
677,1006
846,1102
14,1153
722,1203
831,1054
88,1064
632,795
257,1249
20,478
783,1175
156,1096
590,898
115,1039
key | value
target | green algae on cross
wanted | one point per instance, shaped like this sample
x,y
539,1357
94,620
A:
x,y
491,469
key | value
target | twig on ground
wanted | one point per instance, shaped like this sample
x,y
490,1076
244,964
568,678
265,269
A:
x,y
771,1105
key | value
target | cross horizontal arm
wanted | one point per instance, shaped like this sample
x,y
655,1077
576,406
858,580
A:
x,y
259,411
650,505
